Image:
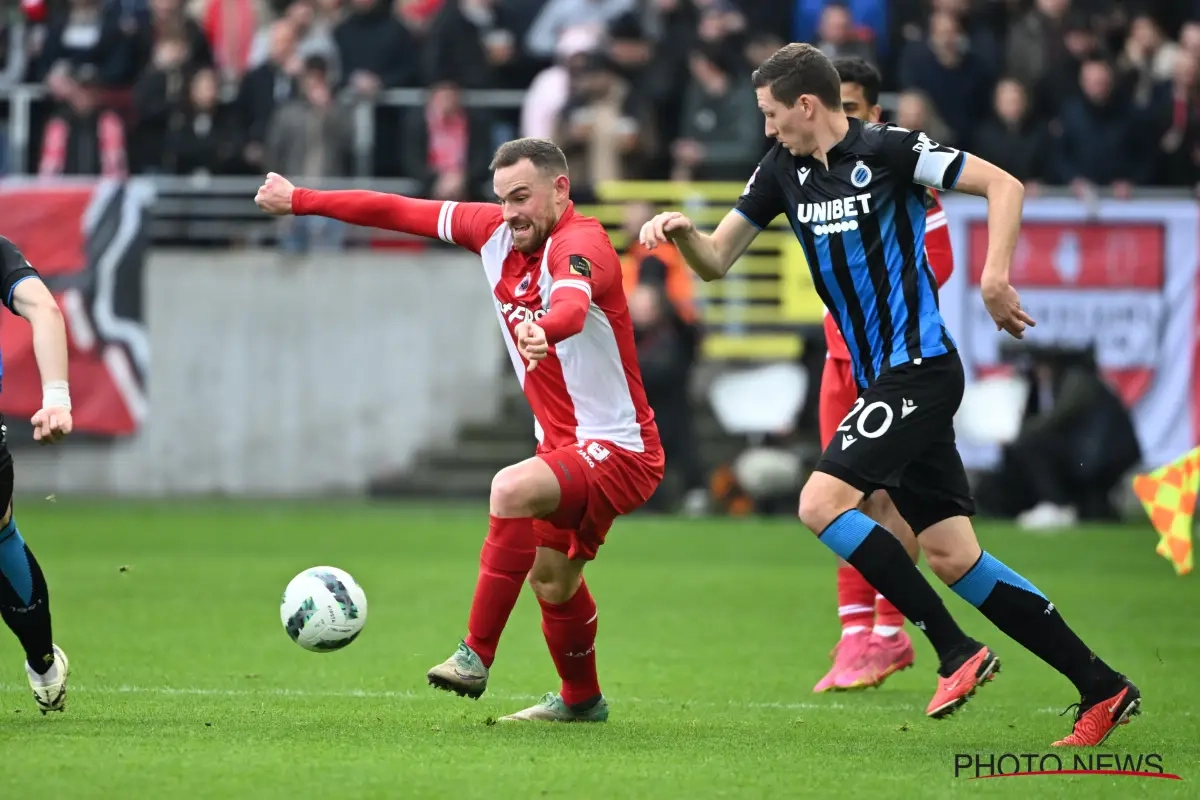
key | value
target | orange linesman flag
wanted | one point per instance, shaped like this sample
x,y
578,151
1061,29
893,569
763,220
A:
x,y
1169,496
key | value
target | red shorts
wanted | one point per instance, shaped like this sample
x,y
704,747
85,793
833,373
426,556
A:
x,y
599,482
838,393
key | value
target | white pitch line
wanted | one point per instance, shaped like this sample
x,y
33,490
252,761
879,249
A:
x,y
431,694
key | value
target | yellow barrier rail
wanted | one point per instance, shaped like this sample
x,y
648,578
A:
x,y
756,312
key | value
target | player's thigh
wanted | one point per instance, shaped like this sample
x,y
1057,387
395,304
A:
x,y
598,482
837,396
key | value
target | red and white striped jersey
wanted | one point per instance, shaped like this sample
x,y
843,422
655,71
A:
x,y
590,385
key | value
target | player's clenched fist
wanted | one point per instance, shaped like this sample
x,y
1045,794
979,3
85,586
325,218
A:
x,y
663,228
51,424
531,342
275,195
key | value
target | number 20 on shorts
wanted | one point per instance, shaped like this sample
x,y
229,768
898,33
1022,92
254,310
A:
x,y
864,425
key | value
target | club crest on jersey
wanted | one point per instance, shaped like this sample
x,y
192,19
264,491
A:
x,y
523,286
580,266
860,176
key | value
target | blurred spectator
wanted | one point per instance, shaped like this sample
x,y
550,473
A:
x,y
558,15
913,111
82,137
169,19
230,26
722,137
314,28
869,16
1189,37
158,101
1075,444
87,33
1012,138
1181,140
659,288
449,146
1035,41
1056,86
311,137
600,128
377,52
722,27
1148,59
957,83
208,140
1101,137
836,36
267,86
629,48
667,72
547,95
471,44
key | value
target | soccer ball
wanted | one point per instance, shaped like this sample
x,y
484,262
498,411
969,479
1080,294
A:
x,y
323,609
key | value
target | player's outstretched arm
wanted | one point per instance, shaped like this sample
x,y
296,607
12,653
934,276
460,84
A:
x,y
709,255
1005,196
458,223
27,296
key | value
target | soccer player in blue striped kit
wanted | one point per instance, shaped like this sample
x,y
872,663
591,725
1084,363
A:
x,y
854,195
24,598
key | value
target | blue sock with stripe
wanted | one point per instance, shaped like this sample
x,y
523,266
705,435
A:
x,y
1017,607
886,565
24,601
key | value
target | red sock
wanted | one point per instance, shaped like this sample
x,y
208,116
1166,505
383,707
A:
x,y
504,563
887,614
570,631
856,599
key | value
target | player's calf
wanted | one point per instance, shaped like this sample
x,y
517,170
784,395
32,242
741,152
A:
x,y
569,622
25,608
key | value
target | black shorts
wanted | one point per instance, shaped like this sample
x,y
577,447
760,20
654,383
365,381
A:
x,y
899,436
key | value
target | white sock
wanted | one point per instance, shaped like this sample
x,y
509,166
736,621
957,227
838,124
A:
x,y
886,630
853,629
49,676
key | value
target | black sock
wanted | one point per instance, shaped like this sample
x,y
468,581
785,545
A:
x,y
887,566
24,599
1015,606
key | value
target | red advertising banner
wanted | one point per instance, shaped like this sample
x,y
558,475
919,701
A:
x,y
89,242
1120,277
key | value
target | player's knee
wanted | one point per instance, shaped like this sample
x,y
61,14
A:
x,y
507,497
822,501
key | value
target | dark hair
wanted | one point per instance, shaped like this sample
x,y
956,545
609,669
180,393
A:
x,y
797,69
862,72
316,64
542,153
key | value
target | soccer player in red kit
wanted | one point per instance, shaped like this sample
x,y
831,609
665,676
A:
x,y
556,282
873,644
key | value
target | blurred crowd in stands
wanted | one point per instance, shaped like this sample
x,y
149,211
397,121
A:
x,y
1060,92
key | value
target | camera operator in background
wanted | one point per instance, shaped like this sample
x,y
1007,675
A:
x,y
1075,444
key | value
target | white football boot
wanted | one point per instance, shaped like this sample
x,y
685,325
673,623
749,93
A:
x,y
462,673
50,689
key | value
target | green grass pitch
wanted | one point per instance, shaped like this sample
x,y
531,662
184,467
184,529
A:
x,y
712,634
